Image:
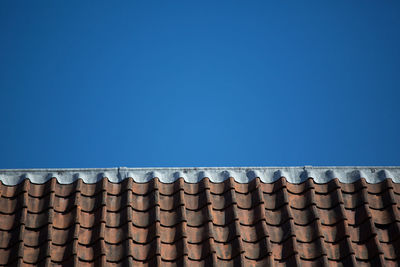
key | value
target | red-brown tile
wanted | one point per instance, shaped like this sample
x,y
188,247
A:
x,y
257,250
310,250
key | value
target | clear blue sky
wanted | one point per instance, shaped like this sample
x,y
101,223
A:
x,y
199,83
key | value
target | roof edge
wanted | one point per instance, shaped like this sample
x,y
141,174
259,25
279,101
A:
x,y
296,175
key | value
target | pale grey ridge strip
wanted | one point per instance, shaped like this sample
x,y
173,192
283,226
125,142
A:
x,y
194,175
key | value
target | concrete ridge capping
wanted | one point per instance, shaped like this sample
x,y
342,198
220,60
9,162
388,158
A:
x,y
294,175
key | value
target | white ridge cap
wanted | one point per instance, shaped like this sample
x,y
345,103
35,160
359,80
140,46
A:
x,y
295,175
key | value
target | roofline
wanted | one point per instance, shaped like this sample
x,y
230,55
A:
x,y
345,174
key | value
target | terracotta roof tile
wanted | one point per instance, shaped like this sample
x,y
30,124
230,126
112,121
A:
x,y
199,224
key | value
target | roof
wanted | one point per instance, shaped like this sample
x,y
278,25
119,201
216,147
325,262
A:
x,y
59,217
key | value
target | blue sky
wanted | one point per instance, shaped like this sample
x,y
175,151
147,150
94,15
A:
x,y
199,83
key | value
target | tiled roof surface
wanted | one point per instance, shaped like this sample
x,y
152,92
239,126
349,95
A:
x,y
203,223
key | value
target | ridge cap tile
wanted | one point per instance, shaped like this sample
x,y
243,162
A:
x,y
241,175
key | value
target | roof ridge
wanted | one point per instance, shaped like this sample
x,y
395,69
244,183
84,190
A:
x,y
294,175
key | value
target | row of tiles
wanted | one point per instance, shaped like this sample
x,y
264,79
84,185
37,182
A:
x,y
38,203
211,260
382,221
66,190
226,243
195,235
